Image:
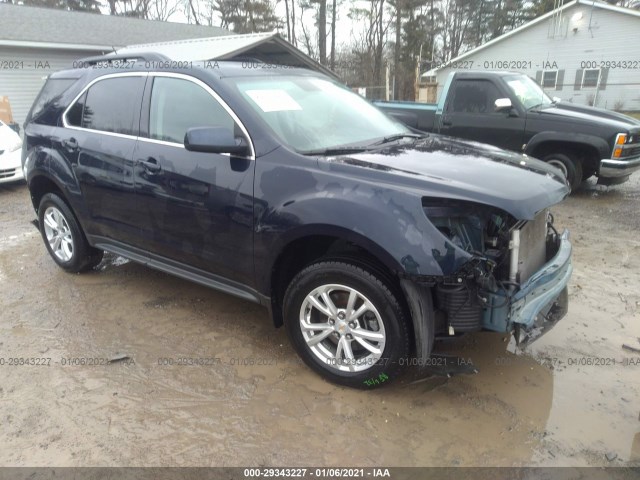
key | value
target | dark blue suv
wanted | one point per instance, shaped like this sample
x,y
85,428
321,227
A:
x,y
363,237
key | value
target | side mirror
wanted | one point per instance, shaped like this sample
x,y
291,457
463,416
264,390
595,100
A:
x,y
556,99
214,140
503,104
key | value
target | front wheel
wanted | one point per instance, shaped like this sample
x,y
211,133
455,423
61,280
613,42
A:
x,y
346,324
571,168
63,236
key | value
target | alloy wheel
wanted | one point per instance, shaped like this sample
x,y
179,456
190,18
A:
x,y
58,234
342,327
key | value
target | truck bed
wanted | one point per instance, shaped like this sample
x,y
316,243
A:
x,y
416,115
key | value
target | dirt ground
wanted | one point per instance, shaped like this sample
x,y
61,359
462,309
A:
x,y
569,399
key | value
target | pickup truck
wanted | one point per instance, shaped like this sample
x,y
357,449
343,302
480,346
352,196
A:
x,y
511,111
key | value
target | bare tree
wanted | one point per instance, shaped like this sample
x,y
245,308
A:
x,y
164,9
322,31
334,14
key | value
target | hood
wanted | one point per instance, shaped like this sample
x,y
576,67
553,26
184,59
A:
x,y
445,167
615,120
9,139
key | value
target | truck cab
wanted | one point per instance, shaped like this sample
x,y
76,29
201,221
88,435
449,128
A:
x,y
511,111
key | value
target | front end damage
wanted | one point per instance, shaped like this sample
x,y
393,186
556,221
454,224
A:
x,y
514,279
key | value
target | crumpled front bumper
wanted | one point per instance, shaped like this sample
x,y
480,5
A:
x,y
543,299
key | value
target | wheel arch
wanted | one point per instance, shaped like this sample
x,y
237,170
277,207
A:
x,y
323,242
40,185
588,148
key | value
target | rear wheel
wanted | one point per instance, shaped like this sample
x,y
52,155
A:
x,y
63,236
346,324
571,167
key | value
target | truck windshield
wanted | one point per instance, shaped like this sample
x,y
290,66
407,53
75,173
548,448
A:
x,y
313,114
527,91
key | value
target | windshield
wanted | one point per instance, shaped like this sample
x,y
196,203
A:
x,y
311,114
527,91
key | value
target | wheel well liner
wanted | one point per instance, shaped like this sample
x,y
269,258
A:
x,y
588,149
39,186
306,250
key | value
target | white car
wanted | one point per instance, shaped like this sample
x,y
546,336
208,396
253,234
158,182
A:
x,y
10,155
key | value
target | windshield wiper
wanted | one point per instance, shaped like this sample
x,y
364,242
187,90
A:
x,y
356,149
334,151
399,136
535,106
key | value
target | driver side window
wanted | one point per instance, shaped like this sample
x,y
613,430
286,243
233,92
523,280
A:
x,y
178,104
474,96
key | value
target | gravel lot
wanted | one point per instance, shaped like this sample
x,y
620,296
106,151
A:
x,y
571,398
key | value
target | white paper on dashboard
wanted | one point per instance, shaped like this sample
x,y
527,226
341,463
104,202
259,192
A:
x,y
273,100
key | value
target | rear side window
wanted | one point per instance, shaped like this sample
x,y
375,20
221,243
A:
x,y
74,115
43,110
177,105
110,105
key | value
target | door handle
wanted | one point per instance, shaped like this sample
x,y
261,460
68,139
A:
x,y
446,122
71,144
150,165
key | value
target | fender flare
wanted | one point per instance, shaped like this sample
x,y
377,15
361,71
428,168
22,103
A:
x,y
569,138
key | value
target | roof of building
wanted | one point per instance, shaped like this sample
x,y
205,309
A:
x,y
52,28
269,48
589,3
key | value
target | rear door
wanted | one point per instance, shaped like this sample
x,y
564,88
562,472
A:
x,y
470,114
199,206
102,126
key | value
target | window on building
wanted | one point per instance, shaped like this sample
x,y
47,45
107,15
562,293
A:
x,y
590,78
549,78
177,105
109,105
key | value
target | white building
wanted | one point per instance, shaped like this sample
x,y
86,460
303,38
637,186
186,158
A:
x,y
35,42
584,52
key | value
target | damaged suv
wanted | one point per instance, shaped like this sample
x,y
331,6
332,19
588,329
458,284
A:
x,y
364,239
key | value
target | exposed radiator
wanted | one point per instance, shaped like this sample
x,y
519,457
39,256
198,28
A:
x,y
532,253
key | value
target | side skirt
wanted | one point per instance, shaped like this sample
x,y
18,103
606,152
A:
x,y
178,269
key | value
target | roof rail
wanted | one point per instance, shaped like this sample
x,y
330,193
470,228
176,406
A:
x,y
146,56
244,58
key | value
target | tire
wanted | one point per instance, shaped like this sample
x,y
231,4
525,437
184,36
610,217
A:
x,y
587,174
63,237
571,168
381,324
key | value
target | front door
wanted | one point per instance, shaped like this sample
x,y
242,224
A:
x,y
470,114
199,206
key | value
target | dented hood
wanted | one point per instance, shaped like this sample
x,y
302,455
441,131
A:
x,y
445,167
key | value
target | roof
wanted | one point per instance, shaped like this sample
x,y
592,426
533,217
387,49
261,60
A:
x,y
589,3
53,28
269,48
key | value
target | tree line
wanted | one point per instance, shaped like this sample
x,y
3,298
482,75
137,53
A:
x,y
405,36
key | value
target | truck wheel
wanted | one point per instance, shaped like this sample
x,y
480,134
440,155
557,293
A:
x,y
63,236
587,174
572,169
346,324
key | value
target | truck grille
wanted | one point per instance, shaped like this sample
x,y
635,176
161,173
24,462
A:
x,y
630,152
